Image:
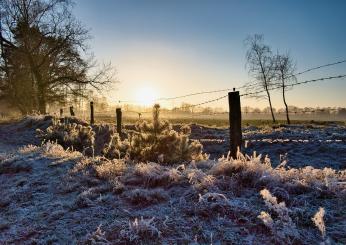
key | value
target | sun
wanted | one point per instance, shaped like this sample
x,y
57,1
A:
x,y
146,96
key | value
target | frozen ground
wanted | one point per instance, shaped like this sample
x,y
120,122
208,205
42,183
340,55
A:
x,y
53,196
301,145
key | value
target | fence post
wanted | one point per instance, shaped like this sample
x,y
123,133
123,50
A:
x,y
72,111
118,112
61,112
234,122
92,121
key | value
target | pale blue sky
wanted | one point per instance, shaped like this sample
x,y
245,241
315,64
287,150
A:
x,y
183,46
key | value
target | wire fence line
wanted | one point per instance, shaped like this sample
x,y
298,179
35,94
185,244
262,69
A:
x,y
317,67
245,86
253,85
198,93
261,91
292,111
294,84
237,88
258,92
244,95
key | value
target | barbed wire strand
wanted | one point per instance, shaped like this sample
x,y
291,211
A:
x,y
295,84
237,88
257,92
254,84
229,89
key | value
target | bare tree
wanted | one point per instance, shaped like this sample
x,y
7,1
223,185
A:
x,y
261,66
44,38
285,69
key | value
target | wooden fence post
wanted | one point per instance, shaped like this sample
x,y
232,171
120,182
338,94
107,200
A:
x,y
92,120
234,122
118,112
61,112
72,111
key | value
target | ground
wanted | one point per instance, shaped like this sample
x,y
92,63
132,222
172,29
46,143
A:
x,y
301,145
53,196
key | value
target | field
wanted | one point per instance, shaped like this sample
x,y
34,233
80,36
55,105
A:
x,y
287,187
222,120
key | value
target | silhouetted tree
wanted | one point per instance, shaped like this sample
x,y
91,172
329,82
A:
x,y
261,66
285,69
43,47
341,111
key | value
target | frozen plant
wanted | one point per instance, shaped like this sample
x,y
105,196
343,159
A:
x,y
266,219
116,148
28,149
318,220
213,198
140,229
146,197
158,141
153,174
70,135
283,228
52,149
109,169
155,141
200,180
97,238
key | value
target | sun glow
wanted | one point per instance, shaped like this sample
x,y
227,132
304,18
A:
x,y
146,96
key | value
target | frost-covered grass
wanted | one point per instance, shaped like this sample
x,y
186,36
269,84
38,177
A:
x,y
155,141
51,194
100,201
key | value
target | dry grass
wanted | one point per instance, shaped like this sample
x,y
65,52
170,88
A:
x,y
94,200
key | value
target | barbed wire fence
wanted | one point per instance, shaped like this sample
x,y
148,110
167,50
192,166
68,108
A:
x,y
245,94
235,113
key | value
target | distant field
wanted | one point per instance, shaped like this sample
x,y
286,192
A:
x,y
213,121
220,121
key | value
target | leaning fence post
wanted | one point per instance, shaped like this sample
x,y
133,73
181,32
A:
x,y
118,112
92,121
234,122
61,112
71,111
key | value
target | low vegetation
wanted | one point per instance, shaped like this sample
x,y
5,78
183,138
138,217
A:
x,y
96,198
155,141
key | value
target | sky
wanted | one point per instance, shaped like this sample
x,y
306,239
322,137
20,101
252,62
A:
x,y
164,48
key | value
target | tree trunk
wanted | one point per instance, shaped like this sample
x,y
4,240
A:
x,y
23,110
41,99
284,98
267,90
42,104
270,105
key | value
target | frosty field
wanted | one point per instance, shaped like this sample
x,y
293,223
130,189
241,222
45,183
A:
x,y
271,194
